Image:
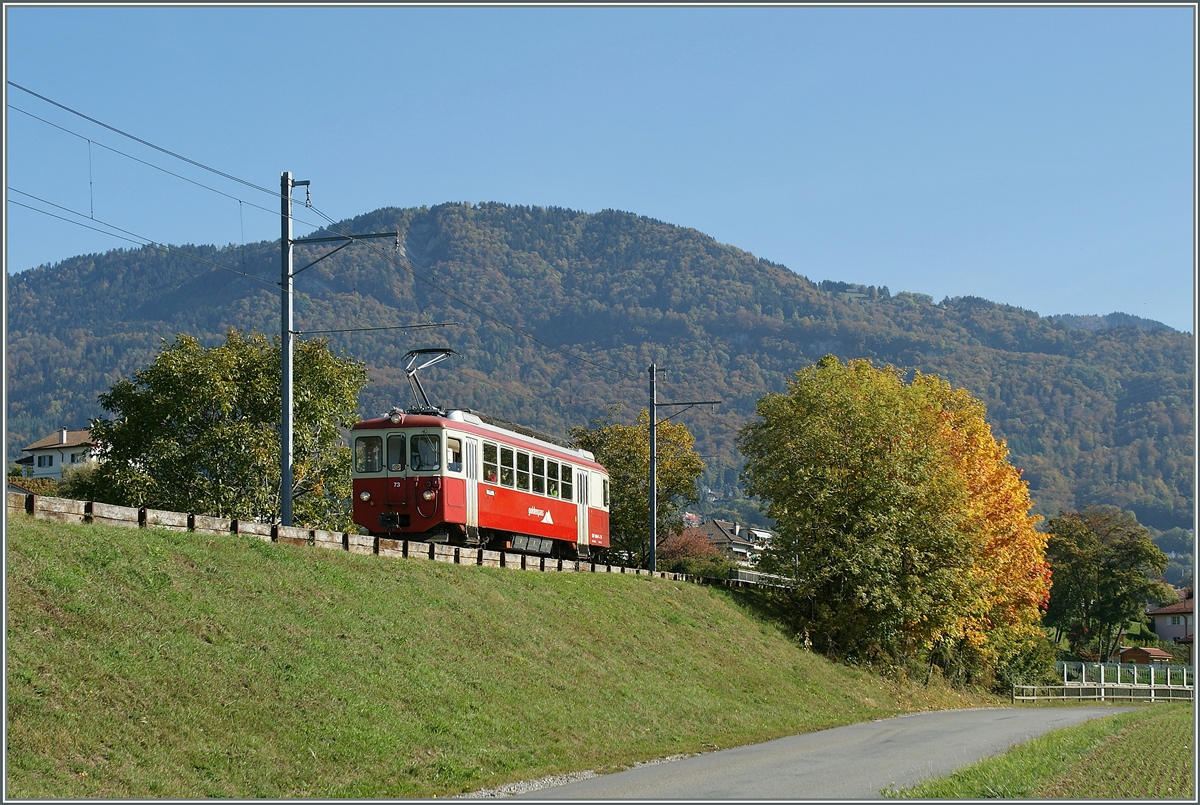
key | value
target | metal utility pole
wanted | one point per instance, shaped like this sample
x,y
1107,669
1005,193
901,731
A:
x,y
287,331
285,347
654,406
653,468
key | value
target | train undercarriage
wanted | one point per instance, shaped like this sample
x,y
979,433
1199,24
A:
x,y
493,540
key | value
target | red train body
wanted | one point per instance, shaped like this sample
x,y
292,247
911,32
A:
x,y
455,478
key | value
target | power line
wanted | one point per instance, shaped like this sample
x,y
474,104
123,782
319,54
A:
x,y
146,143
143,240
372,329
475,375
76,223
152,165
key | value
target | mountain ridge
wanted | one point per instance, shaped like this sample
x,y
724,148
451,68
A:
x,y
1092,414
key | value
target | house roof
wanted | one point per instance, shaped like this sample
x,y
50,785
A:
x,y
723,530
1178,608
1149,652
75,438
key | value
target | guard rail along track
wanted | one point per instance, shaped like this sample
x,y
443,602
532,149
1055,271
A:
x,y
65,510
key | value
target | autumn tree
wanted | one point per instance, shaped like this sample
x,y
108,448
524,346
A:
x,y
1000,627
903,526
624,450
692,553
1106,568
198,431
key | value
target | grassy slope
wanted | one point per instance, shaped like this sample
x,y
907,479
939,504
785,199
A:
x,y
1145,754
159,664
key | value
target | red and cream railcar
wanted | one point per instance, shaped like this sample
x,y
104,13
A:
x,y
456,478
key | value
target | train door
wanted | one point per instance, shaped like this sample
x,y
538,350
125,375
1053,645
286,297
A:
x,y
471,464
397,490
581,536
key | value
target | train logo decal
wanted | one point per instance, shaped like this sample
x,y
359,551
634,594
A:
x,y
545,515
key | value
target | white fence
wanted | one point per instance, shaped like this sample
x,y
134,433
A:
x,y
1089,673
1102,693
1113,682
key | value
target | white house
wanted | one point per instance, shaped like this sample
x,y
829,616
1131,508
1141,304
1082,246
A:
x,y
64,448
742,545
1174,621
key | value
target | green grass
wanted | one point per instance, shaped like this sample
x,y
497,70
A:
x,y
1145,754
145,663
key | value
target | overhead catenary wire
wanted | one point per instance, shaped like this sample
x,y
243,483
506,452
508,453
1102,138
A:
x,y
146,143
141,239
482,378
76,223
371,329
155,167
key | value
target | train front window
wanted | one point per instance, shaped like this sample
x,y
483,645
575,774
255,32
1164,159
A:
x,y
539,475
424,454
567,493
368,454
395,453
506,466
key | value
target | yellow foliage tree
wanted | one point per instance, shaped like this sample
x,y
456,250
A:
x,y
906,530
1010,578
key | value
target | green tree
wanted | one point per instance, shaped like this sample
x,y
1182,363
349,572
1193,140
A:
x,y
1175,540
198,431
1105,569
868,508
624,450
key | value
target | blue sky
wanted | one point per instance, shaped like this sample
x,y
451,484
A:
x,y
1040,157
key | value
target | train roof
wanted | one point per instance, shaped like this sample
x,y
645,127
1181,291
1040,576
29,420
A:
x,y
484,424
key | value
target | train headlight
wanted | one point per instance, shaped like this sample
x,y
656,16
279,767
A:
x,y
427,495
364,496
395,419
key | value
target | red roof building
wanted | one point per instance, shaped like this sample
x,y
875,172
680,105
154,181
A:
x,y
1145,656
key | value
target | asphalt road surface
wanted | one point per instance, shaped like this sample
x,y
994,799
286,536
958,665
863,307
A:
x,y
854,762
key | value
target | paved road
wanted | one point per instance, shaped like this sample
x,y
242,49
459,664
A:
x,y
854,762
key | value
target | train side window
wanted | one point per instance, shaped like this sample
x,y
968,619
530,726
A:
x,y
552,478
567,493
539,475
490,464
395,453
424,455
605,485
522,470
506,466
368,454
453,454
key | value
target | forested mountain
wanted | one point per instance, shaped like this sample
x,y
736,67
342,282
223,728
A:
x,y
1096,409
